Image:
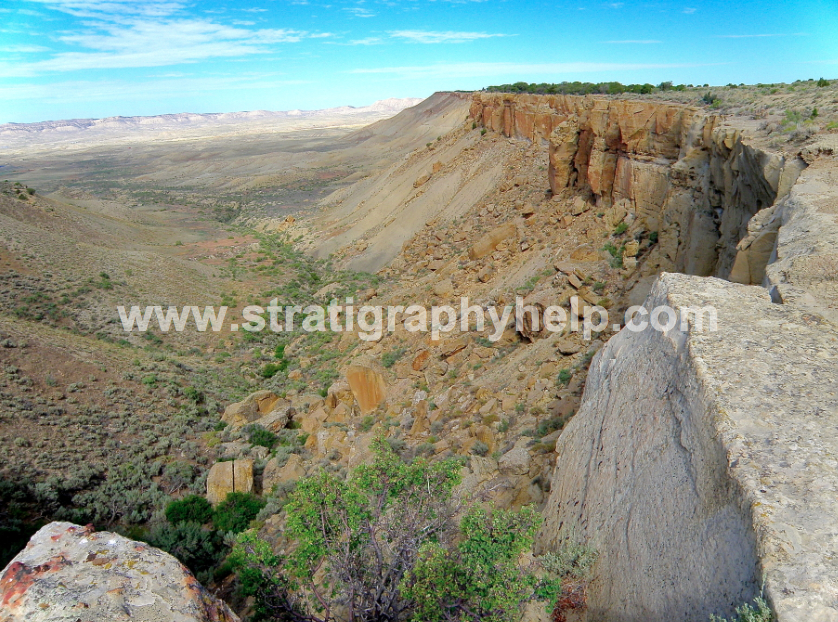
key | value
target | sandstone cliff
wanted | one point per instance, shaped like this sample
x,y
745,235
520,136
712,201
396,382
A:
x,y
676,170
699,475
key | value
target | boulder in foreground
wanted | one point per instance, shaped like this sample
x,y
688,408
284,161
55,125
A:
x,y
69,573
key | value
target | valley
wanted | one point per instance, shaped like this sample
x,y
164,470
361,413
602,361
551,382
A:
x,y
663,452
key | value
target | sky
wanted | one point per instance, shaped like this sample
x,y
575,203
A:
x,y
64,59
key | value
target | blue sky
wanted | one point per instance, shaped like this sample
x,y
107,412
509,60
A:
x,y
62,59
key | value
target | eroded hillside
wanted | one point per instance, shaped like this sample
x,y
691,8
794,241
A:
x,y
487,196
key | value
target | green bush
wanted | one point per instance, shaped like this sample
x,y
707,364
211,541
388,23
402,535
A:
x,y
272,369
236,511
260,436
747,613
364,531
190,509
481,578
564,377
389,358
198,548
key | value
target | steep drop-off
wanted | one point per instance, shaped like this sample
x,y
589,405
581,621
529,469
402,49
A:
x,y
699,462
675,169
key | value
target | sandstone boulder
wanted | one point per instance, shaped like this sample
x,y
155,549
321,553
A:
x,y
487,244
227,477
516,461
69,573
274,474
250,409
368,385
278,418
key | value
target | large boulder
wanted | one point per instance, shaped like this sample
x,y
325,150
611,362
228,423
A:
x,y
274,474
227,477
368,385
69,573
487,244
253,407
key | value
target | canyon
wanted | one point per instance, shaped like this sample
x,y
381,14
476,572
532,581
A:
x,y
699,463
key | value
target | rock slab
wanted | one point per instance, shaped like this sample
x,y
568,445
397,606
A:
x,y
700,477
69,573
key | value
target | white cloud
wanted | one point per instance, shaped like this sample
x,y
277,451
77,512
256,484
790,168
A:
x,y
254,10
366,41
425,36
359,11
793,34
689,10
109,90
23,49
137,42
112,8
465,70
640,41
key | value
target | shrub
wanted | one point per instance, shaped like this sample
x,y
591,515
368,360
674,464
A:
x,y
822,82
260,436
198,548
366,423
193,394
236,511
190,509
480,448
621,229
272,369
389,358
747,613
481,578
364,532
564,377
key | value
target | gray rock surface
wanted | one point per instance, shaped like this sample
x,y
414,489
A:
x,y
704,463
69,573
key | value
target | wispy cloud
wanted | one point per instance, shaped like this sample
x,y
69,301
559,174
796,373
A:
x,y
790,34
639,41
23,49
465,70
112,8
156,45
366,41
426,36
255,10
359,11
120,37
107,90
689,10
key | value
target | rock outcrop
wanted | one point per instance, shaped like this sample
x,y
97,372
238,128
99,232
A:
x,y
699,476
669,168
368,385
253,407
227,477
69,573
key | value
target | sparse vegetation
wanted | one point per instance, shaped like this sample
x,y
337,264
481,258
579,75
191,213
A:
x,y
748,613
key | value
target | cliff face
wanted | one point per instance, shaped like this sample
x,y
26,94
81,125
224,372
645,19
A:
x,y
700,463
672,168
